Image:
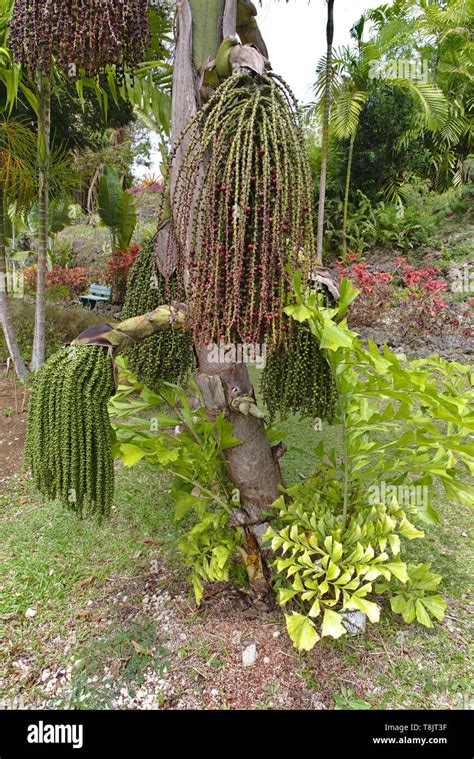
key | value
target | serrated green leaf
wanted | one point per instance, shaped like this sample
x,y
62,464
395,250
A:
x,y
398,569
285,595
131,454
398,604
368,607
334,336
299,312
301,631
332,624
436,605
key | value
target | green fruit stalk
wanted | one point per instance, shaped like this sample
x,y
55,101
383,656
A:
x,y
68,441
167,356
297,378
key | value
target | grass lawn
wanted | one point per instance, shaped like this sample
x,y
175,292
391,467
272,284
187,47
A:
x,y
100,616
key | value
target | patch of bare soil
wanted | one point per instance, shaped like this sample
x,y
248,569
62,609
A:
x,y
224,655
450,346
13,414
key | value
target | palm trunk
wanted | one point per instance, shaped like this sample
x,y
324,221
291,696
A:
x,y
252,467
325,143
5,318
44,126
346,193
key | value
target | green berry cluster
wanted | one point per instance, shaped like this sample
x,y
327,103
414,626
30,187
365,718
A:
x,y
167,356
298,378
68,441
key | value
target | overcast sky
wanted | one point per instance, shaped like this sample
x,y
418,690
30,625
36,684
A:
x,y
295,34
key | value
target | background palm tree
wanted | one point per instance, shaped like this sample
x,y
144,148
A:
x,y
17,185
441,34
327,99
351,85
43,148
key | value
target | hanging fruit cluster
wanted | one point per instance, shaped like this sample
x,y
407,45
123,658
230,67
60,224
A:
x,y
167,356
68,442
298,379
85,34
242,210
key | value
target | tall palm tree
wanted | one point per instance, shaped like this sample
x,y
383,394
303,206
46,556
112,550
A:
x,y
44,129
351,87
45,37
17,185
441,33
325,130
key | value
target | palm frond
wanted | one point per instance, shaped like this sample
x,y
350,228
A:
x,y
432,101
346,113
17,161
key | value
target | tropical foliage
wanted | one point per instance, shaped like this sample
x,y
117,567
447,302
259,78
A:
x,y
237,259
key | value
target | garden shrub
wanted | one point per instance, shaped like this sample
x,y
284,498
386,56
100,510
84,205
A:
x,y
62,326
74,281
411,222
417,292
423,306
118,270
404,425
375,291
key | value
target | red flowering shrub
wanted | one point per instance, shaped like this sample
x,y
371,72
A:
x,y
423,283
375,291
423,303
74,280
118,270
419,293
147,186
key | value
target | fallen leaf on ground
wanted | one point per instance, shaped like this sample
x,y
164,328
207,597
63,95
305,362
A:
x,y
86,581
141,649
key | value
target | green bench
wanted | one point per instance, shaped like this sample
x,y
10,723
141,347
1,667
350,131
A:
x,y
97,293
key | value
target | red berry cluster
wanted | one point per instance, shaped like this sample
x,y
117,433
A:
x,y
242,206
79,35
